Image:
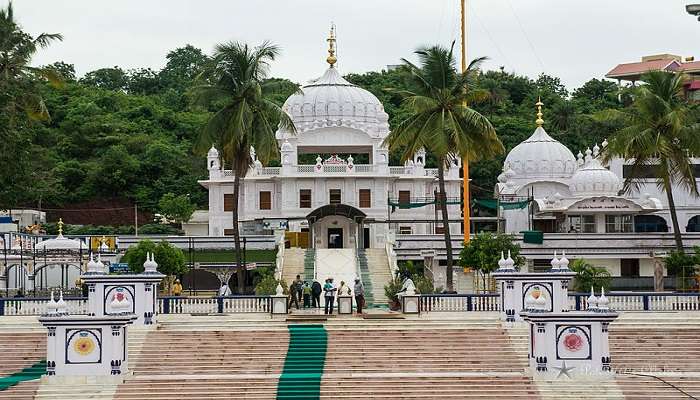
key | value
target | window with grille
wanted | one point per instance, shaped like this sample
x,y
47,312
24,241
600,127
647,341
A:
x,y
365,198
305,198
228,202
228,232
439,230
405,230
334,196
618,224
265,200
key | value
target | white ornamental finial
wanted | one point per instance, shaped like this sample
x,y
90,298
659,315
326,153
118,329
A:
x,y
563,262
501,262
603,301
279,291
592,301
596,150
555,262
510,263
51,306
61,307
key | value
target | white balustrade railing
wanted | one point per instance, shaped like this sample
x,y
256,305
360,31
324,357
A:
x,y
364,168
459,302
335,169
431,172
29,306
246,305
397,170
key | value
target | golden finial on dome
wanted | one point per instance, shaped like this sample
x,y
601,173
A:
x,y
60,226
331,47
539,121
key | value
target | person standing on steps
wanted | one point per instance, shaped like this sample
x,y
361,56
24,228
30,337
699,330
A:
x,y
316,290
307,295
329,295
299,284
359,291
293,298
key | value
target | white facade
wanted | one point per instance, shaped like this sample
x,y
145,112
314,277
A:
x,y
581,195
331,116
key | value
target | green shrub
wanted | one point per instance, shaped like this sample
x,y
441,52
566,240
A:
x,y
425,286
392,288
268,286
588,275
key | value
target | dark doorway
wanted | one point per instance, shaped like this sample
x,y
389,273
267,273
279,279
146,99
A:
x,y
335,238
365,238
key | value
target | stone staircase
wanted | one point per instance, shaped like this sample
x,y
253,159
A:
x,y
309,265
363,266
379,273
19,350
293,264
656,342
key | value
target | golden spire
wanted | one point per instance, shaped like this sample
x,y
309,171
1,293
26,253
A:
x,y
60,226
331,47
539,121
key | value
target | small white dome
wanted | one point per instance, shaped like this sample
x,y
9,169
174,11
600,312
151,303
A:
x,y
593,179
213,152
60,243
286,146
541,156
331,101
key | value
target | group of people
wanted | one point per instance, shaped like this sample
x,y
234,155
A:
x,y
310,294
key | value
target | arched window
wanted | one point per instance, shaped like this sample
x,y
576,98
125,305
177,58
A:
x,y
650,223
693,224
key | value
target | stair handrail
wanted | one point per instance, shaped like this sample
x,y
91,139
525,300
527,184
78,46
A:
x,y
279,258
315,264
391,253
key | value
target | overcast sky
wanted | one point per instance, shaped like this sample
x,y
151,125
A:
x,y
573,39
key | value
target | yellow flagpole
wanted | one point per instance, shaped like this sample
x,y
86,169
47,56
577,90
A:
x,y
465,161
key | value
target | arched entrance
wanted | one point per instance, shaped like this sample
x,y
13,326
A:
x,y
337,226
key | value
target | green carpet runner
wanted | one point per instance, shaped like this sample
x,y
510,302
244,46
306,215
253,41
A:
x,y
303,366
27,374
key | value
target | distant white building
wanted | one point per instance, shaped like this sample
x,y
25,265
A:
x,y
337,200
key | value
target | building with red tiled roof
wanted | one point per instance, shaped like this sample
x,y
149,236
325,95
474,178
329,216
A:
x,y
661,62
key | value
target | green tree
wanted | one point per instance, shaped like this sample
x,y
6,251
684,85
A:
x,y
170,259
683,266
442,121
589,276
107,78
176,208
233,84
658,137
483,252
182,67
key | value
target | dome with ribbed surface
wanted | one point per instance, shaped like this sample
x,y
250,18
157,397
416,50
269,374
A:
x,y
331,101
541,156
593,179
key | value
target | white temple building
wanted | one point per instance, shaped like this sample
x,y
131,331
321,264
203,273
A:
x,y
341,203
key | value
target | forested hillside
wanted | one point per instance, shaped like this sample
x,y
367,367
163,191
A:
x,y
127,136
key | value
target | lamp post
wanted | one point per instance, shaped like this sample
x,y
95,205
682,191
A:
x,y
693,9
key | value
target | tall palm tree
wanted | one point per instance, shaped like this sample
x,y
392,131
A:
x,y
443,122
234,86
658,137
16,75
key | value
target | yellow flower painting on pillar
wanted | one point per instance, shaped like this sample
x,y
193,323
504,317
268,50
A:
x,y
84,345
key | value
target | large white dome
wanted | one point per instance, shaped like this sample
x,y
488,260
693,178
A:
x,y
541,157
593,179
331,101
